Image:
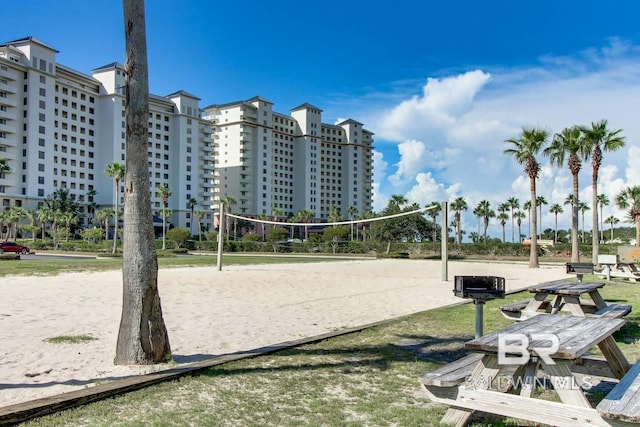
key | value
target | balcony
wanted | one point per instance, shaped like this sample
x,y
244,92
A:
x,y
8,115
7,88
7,128
10,154
8,101
8,74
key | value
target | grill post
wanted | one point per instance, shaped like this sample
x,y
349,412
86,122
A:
x,y
479,289
479,317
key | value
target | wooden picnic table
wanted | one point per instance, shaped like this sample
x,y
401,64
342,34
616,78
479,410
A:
x,y
506,387
552,297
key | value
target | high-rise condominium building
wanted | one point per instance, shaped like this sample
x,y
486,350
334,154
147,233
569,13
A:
x,y
271,162
60,128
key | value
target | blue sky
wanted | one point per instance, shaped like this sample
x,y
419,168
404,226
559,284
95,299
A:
x,y
441,84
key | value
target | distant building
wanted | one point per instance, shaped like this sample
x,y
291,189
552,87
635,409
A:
x,y
266,160
60,128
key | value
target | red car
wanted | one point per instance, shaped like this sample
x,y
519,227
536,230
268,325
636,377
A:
x,y
13,247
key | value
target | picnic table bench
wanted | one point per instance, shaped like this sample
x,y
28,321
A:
x,y
480,382
551,297
621,406
623,270
579,268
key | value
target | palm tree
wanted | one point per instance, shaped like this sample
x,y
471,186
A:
x,y
434,210
68,218
91,205
13,216
571,142
104,217
191,204
351,211
527,206
117,172
478,215
525,149
32,216
612,220
503,208
334,215
513,205
398,200
4,167
485,211
263,217
44,214
603,201
367,215
583,207
599,139
519,215
458,205
305,215
540,200
228,202
556,209
629,198
503,217
276,212
199,215
142,336
165,193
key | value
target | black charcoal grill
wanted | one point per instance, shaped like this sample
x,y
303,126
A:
x,y
480,289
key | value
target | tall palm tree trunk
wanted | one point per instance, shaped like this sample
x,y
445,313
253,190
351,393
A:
x,y
115,226
595,238
533,256
142,336
575,244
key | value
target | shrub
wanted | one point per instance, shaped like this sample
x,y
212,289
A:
x,y
178,236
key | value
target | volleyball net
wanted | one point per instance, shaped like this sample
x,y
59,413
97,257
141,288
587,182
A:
x,y
444,230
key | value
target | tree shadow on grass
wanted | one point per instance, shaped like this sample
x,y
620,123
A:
x,y
348,359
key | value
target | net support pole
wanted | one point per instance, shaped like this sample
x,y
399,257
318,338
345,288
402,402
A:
x,y
444,237
220,236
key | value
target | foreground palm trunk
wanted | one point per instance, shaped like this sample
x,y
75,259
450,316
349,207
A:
x,y
142,337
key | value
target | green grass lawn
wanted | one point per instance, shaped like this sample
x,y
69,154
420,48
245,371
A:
x,y
367,378
54,267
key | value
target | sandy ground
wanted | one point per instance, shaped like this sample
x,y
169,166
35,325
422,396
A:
x,y
210,312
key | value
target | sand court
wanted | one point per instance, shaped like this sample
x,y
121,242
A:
x,y
210,312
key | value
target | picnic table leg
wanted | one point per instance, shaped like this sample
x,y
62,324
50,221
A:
x,y
597,299
483,375
535,303
617,361
456,417
563,383
572,303
556,305
529,377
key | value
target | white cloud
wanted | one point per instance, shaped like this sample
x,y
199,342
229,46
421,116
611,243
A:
x,y
427,190
632,172
441,103
457,127
414,157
